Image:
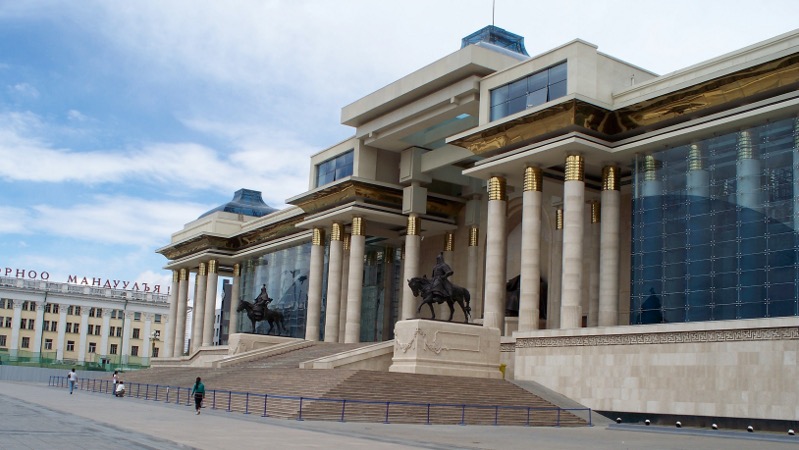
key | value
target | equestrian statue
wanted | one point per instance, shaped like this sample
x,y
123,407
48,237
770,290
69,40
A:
x,y
259,311
440,290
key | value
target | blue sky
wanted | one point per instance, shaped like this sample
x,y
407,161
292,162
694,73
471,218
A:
x,y
122,121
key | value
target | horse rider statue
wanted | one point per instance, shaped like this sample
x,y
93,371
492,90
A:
x,y
441,286
262,302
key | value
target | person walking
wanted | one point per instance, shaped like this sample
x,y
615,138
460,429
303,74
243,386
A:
x,y
198,390
73,378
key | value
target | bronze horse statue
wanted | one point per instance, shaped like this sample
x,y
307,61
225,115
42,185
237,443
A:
x,y
423,286
275,318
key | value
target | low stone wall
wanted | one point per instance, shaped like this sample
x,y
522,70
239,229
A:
x,y
742,368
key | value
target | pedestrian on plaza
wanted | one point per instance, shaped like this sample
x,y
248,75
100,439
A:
x,y
119,390
73,378
198,390
116,380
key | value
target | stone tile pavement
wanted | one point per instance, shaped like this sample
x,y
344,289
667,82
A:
x,y
35,416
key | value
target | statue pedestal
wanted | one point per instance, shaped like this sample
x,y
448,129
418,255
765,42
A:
x,y
446,348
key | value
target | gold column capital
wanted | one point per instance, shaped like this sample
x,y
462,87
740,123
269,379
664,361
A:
x,y
574,168
496,188
449,241
559,219
357,226
318,237
345,245
474,236
237,270
213,266
184,275
175,275
695,156
201,271
532,179
746,148
336,231
596,212
610,178
650,165
414,225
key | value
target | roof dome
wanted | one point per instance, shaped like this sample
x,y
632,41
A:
x,y
497,36
245,201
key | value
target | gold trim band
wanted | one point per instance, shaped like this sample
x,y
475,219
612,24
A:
x,y
532,179
649,168
574,168
496,188
559,219
175,275
202,271
474,236
318,237
745,147
357,226
336,231
213,266
414,224
449,241
184,275
237,270
610,178
695,157
596,212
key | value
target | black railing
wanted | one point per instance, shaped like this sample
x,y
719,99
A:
x,y
314,408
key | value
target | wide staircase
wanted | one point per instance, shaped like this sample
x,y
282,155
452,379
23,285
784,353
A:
x,y
276,387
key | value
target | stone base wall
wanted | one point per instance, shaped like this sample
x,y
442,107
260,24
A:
x,y
742,368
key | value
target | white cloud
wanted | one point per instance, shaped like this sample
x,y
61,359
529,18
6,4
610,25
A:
x,y
25,90
77,116
13,220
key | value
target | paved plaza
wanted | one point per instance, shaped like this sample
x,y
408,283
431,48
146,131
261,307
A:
x,y
35,416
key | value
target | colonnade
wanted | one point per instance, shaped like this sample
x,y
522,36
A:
x,y
204,312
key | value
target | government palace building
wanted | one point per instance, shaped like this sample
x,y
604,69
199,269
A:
x,y
632,236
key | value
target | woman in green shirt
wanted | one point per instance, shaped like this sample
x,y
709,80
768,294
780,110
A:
x,y
198,390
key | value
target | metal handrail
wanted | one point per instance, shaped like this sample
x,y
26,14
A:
x,y
174,394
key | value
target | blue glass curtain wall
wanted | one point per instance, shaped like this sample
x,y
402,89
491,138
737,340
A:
x,y
285,274
715,228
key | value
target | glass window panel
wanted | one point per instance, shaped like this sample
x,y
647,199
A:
x,y
536,98
499,95
517,89
557,73
781,258
499,111
557,90
782,308
517,104
782,274
537,81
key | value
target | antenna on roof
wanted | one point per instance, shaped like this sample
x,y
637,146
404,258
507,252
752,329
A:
x,y
493,8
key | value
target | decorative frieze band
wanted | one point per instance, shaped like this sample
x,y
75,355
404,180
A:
x,y
676,337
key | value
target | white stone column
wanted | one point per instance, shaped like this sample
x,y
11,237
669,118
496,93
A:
x,y
38,329
169,336
235,293
84,333
555,272
314,311
573,226
13,349
413,243
125,350
105,330
472,285
148,341
496,249
345,273
530,280
334,261
212,284
593,266
198,312
609,248
355,282
180,326
62,332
